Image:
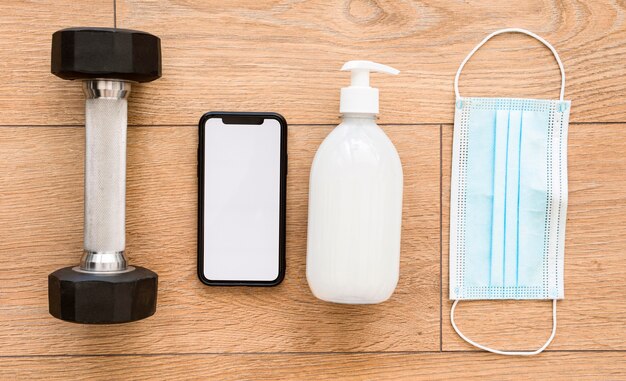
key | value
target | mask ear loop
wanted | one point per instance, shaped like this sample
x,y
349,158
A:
x,y
511,30
499,352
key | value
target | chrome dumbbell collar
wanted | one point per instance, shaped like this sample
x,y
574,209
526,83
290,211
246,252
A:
x,y
106,89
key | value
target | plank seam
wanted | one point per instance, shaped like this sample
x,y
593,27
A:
x,y
441,238
195,125
329,353
433,124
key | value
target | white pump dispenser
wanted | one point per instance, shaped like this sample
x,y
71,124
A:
x,y
359,97
355,201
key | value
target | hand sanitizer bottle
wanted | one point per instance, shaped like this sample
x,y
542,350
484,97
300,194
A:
x,y
355,201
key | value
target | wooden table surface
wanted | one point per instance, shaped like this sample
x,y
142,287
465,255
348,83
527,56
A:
x,y
284,56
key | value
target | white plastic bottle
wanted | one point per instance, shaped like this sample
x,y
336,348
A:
x,y
355,201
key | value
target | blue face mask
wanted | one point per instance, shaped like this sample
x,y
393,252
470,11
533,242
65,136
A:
x,y
509,197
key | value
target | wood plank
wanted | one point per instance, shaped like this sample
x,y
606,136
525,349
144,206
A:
x,y
26,29
285,56
468,366
41,229
591,316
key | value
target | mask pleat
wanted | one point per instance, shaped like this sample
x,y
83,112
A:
x,y
501,133
511,190
532,197
479,203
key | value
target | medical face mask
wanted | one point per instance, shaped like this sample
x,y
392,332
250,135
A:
x,y
509,198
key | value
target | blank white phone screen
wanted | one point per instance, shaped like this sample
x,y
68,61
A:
x,y
241,200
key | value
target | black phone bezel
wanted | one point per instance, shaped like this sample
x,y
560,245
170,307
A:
x,y
243,118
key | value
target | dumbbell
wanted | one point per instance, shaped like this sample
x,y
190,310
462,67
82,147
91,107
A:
x,y
104,289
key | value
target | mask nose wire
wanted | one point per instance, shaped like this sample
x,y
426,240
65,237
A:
x,y
511,30
514,353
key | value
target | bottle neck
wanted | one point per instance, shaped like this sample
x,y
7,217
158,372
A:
x,y
361,117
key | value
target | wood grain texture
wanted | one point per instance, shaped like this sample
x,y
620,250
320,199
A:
x,y
435,366
592,314
41,225
285,56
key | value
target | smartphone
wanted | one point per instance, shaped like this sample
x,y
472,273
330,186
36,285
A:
x,y
242,178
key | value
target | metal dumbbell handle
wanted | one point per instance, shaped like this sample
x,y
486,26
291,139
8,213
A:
x,y
105,175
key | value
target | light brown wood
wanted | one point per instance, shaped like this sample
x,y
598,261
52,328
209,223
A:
x,y
592,314
467,366
285,56
41,225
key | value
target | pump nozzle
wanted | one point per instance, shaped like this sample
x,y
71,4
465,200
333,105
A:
x,y
359,97
361,71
